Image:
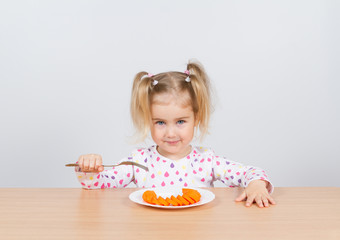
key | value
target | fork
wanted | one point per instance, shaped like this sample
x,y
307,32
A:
x,y
114,165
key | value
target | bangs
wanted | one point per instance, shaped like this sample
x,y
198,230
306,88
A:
x,y
181,98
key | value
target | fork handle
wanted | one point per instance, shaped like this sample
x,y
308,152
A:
x,y
76,165
122,163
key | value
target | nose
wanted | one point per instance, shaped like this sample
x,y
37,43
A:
x,y
170,132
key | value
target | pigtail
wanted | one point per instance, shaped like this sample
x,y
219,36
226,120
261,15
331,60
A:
x,y
140,104
201,93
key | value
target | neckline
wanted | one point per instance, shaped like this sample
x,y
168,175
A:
x,y
178,160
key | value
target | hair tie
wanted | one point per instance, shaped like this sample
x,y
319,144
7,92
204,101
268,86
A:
x,y
150,75
147,75
154,82
187,79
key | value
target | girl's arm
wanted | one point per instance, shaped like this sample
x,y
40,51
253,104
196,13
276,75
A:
x,y
234,174
255,181
91,175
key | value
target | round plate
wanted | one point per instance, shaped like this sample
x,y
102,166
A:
x,y
206,197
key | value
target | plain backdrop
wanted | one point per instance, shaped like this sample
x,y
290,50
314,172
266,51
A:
x,y
66,71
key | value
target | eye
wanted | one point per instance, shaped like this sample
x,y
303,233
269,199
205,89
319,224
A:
x,y
160,123
180,122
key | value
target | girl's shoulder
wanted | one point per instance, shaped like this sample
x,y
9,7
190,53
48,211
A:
x,y
139,154
203,150
143,151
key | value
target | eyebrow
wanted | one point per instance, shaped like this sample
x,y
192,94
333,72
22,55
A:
x,y
159,119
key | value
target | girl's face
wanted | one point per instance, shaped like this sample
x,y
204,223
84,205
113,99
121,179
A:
x,y
173,126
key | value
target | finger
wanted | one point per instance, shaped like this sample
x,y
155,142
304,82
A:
x,y
271,200
265,202
242,197
80,163
258,200
98,162
80,160
83,165
249,201
100,168
86,164
96,165
92,163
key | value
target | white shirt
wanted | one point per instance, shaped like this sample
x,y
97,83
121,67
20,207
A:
x,y
200,168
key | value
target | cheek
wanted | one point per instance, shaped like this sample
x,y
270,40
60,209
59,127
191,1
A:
x,y
188,131
157,130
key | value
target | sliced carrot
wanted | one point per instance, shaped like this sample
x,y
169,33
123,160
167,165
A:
x,y
176,200
185,202
148,195
173,203
155,201
188,198
185,190
199,194
163,202
194,196
144,197
153,194
192,191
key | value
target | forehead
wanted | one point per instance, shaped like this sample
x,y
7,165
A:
x,y
182,98
167,106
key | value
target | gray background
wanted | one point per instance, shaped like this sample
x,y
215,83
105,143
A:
x,y
66,69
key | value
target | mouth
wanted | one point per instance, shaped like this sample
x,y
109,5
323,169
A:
x,y
172,142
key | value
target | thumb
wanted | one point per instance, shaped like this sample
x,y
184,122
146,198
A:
x,y
100,169
242,197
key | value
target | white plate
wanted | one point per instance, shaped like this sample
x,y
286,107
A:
x,y
206,196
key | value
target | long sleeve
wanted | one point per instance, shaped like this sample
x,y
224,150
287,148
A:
x,y
234,174
116,177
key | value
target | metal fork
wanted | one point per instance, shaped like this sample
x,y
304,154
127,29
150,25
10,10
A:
x,y
114,165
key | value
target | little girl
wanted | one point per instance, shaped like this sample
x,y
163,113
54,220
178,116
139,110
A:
x,y
172,105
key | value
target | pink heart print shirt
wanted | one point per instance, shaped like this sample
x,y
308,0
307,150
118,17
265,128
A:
x,y
201,168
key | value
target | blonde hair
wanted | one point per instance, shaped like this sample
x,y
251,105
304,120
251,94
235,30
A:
x,y
144,89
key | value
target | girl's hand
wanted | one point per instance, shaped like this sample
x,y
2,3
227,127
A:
x,y
256,191
90,163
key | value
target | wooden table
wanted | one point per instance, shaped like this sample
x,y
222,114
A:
x,y
300,213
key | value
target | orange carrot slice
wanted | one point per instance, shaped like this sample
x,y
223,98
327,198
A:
x,y
173,203
185,202
148,195
188,198
191,191
144,197
194,196
185,190
176,200
163,202
155,201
